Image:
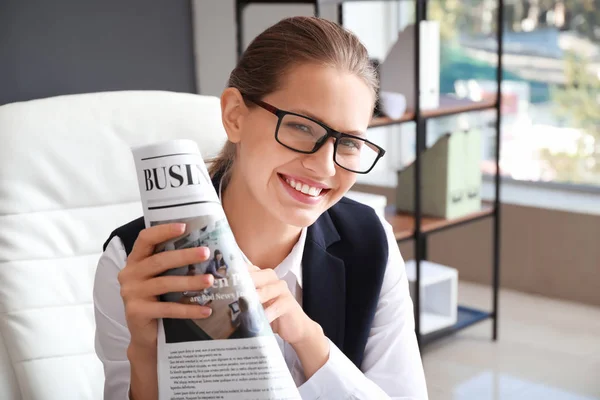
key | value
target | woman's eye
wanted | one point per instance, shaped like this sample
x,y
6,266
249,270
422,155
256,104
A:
x,y
350,144
302,128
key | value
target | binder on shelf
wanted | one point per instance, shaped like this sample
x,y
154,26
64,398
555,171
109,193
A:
x,y
473,175
397,71
438,294
451,178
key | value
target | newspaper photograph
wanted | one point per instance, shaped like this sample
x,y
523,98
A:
x,y
232,354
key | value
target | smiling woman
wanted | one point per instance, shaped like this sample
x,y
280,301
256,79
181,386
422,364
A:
x,y
330,275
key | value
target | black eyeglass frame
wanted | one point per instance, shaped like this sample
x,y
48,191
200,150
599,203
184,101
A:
x,y
331,133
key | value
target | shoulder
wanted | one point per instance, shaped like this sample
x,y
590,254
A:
x,y
116,248
347,203
355,219
128,234
361,232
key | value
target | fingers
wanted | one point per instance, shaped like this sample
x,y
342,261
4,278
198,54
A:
x,y
158,309
278,308
269,292
150,237
252,268
263,277
161,262
166,260
168,284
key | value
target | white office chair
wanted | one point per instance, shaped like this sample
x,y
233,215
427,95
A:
x,y
67,180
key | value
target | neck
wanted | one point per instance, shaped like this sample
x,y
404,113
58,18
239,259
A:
x,y
265,240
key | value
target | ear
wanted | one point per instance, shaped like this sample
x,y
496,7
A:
x,y
233,111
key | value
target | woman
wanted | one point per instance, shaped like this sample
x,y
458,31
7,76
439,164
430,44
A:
x,y
347,332
246,324
215,264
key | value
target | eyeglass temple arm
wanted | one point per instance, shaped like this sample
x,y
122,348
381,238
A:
x,y
266,106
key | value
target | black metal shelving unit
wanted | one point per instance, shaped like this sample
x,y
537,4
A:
x,y
415,226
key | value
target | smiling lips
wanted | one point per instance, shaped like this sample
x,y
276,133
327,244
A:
x,y
304,188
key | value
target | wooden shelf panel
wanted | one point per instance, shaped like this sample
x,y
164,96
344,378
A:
x,y
385,121
282,1
451,105
403,224
448,106
309,1
350,1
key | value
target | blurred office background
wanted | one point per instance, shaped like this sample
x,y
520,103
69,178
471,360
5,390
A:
x,y
549,317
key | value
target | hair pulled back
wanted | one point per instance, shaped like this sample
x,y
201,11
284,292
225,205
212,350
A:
x,y
291,42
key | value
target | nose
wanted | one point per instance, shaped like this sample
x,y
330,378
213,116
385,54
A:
x,y
321,162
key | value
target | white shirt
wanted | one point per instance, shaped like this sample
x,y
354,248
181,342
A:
x,y
391,367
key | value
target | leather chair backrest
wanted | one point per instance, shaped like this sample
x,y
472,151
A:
x,y
67,179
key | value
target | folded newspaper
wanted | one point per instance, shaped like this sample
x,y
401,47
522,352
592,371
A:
x,y
233,354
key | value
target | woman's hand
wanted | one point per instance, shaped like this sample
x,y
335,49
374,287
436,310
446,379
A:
x,y
285,315
288,320
140,285
140,288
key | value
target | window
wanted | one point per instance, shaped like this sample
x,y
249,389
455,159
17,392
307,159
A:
x,y
551,88
551,83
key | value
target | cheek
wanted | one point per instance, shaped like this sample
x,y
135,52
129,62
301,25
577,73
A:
x,y
256,141
260,154
346,179
265,156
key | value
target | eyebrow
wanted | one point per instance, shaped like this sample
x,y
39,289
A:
x,y
311,115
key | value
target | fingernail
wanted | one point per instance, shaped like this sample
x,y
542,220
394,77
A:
x,y
207,311
210,280
180,228
203,251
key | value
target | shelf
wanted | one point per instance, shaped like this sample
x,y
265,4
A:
x,y
377,122
466,317
355,1
321,2
281,1
404,223
448,106
431,323
438,292
431,273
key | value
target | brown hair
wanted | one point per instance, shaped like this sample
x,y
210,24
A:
x,y
243,303
290,42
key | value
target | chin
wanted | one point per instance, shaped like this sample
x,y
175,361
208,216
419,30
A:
x,y
299,218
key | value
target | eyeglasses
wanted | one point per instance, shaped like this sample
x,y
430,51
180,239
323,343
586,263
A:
x,y
307,135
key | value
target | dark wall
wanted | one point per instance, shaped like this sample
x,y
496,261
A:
x,y
53,47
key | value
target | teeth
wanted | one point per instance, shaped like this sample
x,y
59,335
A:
x,y
304,188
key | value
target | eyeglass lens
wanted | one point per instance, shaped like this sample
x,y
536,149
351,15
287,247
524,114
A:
x,y
302,134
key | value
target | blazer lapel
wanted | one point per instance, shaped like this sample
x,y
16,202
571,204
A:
x,y
324,280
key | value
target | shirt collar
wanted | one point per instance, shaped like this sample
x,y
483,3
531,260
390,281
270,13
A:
x,y
293,262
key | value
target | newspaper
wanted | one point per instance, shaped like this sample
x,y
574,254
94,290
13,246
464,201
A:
x,y
233,354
